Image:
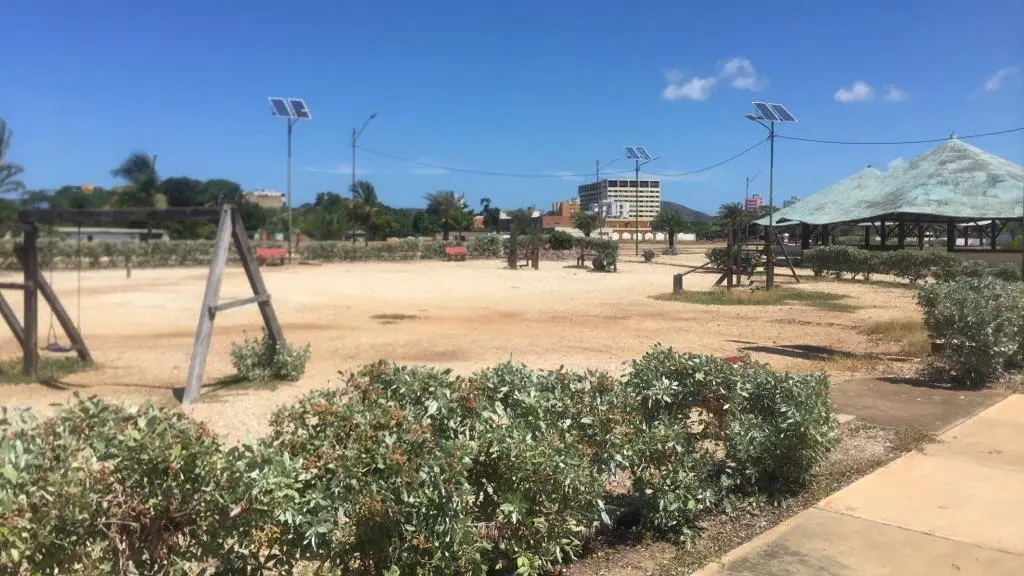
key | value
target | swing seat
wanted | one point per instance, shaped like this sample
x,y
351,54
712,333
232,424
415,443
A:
x,y
58,348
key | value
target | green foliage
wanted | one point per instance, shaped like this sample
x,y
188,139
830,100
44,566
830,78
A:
x,y
105,489
9,171
260,360
561,240
48,369
649,255
602,245
719,258
586,222
910,265
411,470
671,222
490,246
669,251
980,322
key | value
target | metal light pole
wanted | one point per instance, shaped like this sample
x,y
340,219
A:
x,y
746,195
292,110
355,138
640,155
597,179
770,113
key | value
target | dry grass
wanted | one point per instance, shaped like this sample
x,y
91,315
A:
x,y
759,297
49,370
909,335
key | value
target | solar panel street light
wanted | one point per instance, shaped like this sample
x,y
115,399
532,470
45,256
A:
x,y
770,113
640,156
292,110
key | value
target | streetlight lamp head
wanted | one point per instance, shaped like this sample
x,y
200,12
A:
x,y
751,117
372,116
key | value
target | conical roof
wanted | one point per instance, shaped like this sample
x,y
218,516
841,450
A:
x,y
953,180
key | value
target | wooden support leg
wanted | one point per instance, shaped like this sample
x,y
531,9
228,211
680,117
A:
x,y
12,321
30,264
252,272
204,329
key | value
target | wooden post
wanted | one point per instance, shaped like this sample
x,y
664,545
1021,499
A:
x,y
204,329
867,237
128,266
513,248
885,233
536,258
950,236
805,236
901,234
41,286
920,235
993,233
12,321
677,284
30,265
826,235
252,272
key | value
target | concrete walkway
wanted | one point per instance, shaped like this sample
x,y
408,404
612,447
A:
x,y
957,508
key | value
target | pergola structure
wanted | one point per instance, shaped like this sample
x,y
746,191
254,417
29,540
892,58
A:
x,y
955,185
230,230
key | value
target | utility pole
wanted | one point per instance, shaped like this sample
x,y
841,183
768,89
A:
x,y
642,157
355,139
292,110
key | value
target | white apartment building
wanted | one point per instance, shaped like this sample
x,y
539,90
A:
x,y
643,201
266,198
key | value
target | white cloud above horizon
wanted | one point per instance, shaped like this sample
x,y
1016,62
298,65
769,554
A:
x,y
339,168
859,91
430,171
896,162
567,176
738,72
894,94
996,81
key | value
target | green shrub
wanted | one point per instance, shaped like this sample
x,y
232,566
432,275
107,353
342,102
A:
x,y
105,489
561,240
260,360
669,251
981,324
489,246
1006,272
601,245
649,255
719,258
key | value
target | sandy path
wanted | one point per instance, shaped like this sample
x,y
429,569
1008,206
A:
x,y
462,315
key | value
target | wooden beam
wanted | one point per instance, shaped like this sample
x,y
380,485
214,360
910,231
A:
x,y
30,265
14,286
204,328
239,303
252,272
12,321
125,216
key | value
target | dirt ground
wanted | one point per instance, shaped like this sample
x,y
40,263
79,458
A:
x,y
459,315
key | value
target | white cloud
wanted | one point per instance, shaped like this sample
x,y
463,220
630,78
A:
x,y
896,162
859,92
340,168
430,171
894,94
739,72
995,81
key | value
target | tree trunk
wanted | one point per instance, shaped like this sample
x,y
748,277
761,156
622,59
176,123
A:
x,y
444,233
671,240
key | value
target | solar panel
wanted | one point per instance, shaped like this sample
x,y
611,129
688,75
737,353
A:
x,y
301,110
766,112
631,153
280,108
782,113
643,153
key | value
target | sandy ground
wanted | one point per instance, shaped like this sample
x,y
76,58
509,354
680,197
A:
x,y
460,315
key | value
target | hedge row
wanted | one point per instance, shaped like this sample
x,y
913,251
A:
x,y
912,265
410,470
199,252
980,323
749,261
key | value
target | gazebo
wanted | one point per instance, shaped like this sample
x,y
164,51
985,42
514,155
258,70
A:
x,y
954,184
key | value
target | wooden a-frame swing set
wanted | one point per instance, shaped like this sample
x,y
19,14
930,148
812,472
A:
x,y
230,229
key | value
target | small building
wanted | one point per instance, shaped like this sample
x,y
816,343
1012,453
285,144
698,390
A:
x,y
266,198
562,214
754,203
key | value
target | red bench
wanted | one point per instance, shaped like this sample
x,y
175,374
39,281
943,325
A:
x,y
455,253
266,254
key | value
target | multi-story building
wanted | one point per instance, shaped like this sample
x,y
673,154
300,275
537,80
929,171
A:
x,y
792,200
643,201
614,209
266,198
561,216
754,203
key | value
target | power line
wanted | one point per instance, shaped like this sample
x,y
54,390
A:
x,y
929,141
715,165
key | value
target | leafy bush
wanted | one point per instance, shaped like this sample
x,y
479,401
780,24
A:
x,y
561,240
648,255
980,322
719,258
911,265
601,245
105,489
669,251
1006,272
260,360
410,471
489,246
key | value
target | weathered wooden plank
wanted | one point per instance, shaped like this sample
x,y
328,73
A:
x,y
204,328
252,272
123,216
239,303
14,286
12,321
30,266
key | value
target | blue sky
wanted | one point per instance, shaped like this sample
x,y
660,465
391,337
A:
x,y
535,87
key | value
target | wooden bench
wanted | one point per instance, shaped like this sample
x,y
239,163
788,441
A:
x,y
266,254
455,253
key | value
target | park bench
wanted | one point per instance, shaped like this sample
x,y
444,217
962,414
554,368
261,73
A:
x,y
455,253
266,254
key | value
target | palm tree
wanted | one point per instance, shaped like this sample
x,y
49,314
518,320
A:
x,y
141,190
733,216
587,222
670,222
9,184
364,205
447,210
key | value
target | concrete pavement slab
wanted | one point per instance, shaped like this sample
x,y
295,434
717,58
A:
x,y
951,498
818,542
993,438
